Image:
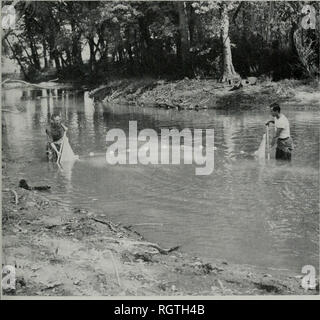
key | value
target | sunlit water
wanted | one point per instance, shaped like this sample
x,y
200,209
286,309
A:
x,y
245,212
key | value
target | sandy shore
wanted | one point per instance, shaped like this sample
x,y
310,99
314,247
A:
x,y
61,251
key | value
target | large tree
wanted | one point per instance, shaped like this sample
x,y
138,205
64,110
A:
x,y
228,73
184,37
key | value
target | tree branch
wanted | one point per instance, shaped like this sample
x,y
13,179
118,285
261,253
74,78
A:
x,y
237,11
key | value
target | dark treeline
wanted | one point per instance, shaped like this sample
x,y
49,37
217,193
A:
x,y
97,40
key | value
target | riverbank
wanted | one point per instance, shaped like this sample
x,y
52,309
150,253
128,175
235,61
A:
x,y
63,251
197,94
192,94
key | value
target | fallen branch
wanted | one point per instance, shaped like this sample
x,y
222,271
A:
x,y
10,111
179,103
51,226
129,228
27,83
95,91
108,223
16,199
46,97
52,286
156,246
115,268
147,224
114,95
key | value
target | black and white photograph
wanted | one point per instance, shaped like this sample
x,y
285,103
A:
x,y
160,149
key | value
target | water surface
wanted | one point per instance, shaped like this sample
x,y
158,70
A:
x,y
246,212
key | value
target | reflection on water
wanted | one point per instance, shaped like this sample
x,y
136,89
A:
x,y
245,211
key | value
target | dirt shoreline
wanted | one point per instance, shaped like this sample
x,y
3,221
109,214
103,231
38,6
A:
x,y
198,94
194,94
61,251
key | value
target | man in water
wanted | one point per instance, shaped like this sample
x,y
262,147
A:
x,y
282,134
55,134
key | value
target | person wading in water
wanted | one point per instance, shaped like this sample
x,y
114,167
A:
x,y
55,134
282,135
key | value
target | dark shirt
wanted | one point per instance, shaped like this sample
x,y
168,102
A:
x,y
55,132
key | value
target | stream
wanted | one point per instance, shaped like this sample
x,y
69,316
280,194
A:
x,y
246,212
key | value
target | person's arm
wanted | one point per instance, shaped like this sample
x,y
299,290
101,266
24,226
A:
x,y
270,121
50,140
276,136
55,148
49,136
64,127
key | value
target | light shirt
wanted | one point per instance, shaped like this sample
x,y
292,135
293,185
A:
x,y
282,123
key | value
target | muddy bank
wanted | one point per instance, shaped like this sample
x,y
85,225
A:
x,y
197,94
65,251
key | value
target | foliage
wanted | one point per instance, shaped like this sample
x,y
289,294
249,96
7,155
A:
x,y
101,39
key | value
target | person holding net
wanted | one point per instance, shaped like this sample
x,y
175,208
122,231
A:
x,y
55,132
282,133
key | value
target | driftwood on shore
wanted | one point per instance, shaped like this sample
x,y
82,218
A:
x,y
16,199
10,111
108,223
155,246
96,91
52,82
180,104
115,268
116,229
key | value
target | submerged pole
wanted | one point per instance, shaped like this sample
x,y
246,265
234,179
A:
x,y
267,142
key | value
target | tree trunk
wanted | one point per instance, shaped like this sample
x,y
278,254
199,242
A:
x,y
270,15
292,45
51,58
25,50
145,43
18,60
92,59
69,57
55,55
104,54
65,61
118,44
228,72
76,47
45,59
34,53
129,51
191,20
120,53
184,36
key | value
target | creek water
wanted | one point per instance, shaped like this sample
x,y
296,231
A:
x,y
246,211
